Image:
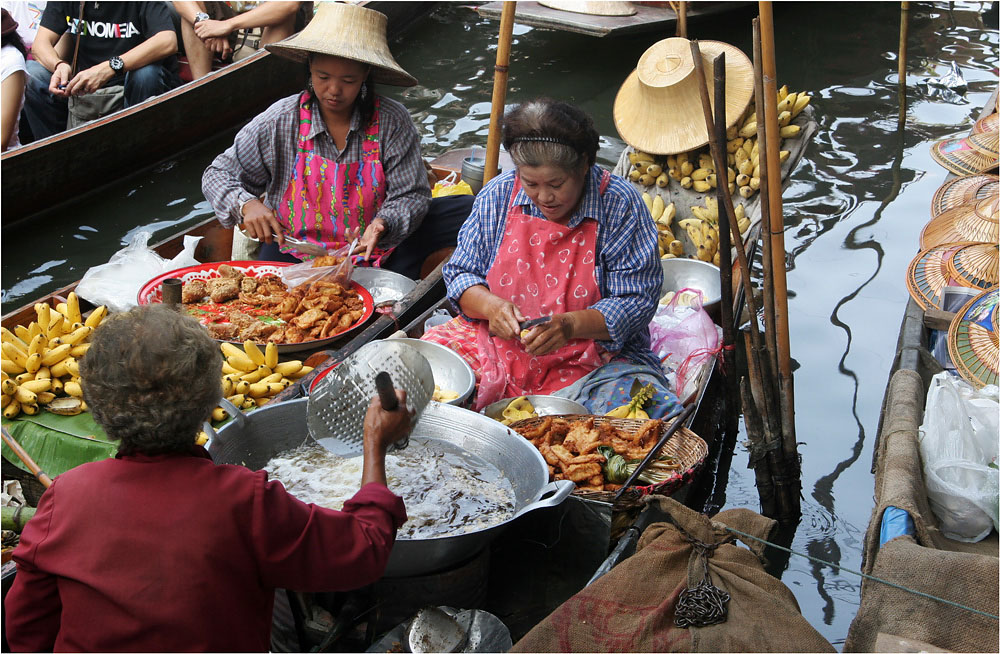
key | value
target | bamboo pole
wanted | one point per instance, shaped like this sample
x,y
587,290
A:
x,y
904,28
499,89
26,458
778,238
770,327
682,20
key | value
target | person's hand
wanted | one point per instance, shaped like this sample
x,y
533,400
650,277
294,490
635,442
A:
x,y
89,80
504,320
60,77
207,29
549,336
370,238
383,428
259,222
219,46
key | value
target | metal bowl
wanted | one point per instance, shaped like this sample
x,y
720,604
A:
x,y
384,285
545,405
691,273
451,372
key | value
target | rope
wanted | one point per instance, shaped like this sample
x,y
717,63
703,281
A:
x,y
867,576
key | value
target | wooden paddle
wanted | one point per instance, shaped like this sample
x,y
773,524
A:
x,y
26,458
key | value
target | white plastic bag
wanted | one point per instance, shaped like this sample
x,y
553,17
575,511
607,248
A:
x,y
958,446
117,282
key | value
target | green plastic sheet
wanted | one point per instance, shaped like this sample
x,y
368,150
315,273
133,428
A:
x,y
58,443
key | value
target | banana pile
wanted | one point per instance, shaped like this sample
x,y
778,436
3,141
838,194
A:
x,y
663,216
633,409
703,229
250,378
40,362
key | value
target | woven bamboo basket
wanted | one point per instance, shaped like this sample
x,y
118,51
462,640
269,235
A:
x,y
687,447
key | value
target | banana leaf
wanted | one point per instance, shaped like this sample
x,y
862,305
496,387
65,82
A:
x,y
58,443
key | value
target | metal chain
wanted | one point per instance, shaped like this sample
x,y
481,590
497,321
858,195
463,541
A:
x,y
705,604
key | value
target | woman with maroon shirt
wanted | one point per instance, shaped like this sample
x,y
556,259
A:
x,y
159,549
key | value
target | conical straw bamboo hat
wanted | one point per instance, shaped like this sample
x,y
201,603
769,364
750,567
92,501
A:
x,y
987,124
963,190
658,108
986,142
959,157
351,32
591,7
977,221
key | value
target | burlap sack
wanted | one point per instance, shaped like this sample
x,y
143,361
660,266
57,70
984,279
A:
x,y
632,608
966,573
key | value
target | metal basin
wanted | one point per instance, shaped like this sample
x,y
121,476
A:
x,y
691,273
545,405
451,372
384,285
252,440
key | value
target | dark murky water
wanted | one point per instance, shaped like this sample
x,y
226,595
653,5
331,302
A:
x,y
854,211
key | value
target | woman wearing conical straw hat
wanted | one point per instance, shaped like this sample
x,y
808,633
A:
x,y
337,159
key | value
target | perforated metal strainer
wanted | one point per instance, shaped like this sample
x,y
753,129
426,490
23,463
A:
x,y
338,400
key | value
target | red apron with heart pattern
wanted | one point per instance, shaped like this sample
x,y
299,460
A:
x,y
544,268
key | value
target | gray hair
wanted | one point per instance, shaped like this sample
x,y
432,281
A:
x,y
547,133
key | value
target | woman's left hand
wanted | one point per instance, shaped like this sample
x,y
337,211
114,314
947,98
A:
x,y
549,336
370,238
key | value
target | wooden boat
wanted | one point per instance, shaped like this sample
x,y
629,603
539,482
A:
x,y
649,17
72,164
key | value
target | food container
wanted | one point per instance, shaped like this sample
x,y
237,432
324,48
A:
x,y
451,372
473,171
251,440
700,275
545,405
385,286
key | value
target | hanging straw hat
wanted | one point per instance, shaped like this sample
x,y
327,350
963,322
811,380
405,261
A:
x,y
959,157
658,108
351,32
963,190
928,275
973,342
986,142
590,7
975,265
977,221
987,124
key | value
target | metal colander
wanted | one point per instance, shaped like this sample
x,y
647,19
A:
x,y
339,399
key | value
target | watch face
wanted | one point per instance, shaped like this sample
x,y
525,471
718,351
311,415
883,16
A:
x,y
116,63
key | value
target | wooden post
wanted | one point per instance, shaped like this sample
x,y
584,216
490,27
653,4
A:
x,y
778,239
499,90
26,458
904,28
682,20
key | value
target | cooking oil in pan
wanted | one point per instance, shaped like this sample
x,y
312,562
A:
x,y
447,490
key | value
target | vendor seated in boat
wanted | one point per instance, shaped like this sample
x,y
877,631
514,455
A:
x,y
161,550
338,158
558,237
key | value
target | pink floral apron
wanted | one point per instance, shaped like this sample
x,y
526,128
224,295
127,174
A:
x,y
325,199
544,268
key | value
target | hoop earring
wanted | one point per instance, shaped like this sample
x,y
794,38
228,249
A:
x,y
364,91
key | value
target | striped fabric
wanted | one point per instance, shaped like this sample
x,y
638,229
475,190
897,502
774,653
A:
x,y
628,272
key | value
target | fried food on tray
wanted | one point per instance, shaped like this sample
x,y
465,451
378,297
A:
x,y
327,260
570,448
262,309
194,291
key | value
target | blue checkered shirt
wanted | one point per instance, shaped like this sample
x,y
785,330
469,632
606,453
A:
x,y
628,266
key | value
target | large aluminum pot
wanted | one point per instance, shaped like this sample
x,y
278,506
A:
x,y
251,440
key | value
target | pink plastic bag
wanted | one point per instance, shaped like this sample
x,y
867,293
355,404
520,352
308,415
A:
x,y
686,341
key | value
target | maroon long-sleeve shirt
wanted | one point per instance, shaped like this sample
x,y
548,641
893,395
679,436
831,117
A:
x,y
174,553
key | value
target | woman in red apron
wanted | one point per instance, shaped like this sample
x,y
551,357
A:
x,y
562,239
337,160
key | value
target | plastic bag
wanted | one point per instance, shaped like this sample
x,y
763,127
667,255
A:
x,y
448,186
686,341
117,282
308,272
958,446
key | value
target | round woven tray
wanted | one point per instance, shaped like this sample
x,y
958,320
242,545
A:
x,y
687,447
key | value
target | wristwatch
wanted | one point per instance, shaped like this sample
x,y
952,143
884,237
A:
x,y
200,16
116,63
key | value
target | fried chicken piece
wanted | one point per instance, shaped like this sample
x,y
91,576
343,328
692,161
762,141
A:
x,y
258,332
538,432
348,319
240,319
248,284
277,337
327,260
294,334
308,319
223,289
194,291
228,272
287,306
649,432
582,439
557,433
225,331
550,456
582,471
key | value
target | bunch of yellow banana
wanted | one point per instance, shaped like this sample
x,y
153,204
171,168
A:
x,y
40,363
646,170
663,216
633,409
250,378
520,408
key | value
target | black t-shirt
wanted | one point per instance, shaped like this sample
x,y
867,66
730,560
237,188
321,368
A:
x,y
109,28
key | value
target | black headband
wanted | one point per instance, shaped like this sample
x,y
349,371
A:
x,y
541,139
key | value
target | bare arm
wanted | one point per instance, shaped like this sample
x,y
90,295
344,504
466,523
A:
x,y
10,105
44,48
264,15
550,336
188,10
479,303
382,428
159,46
